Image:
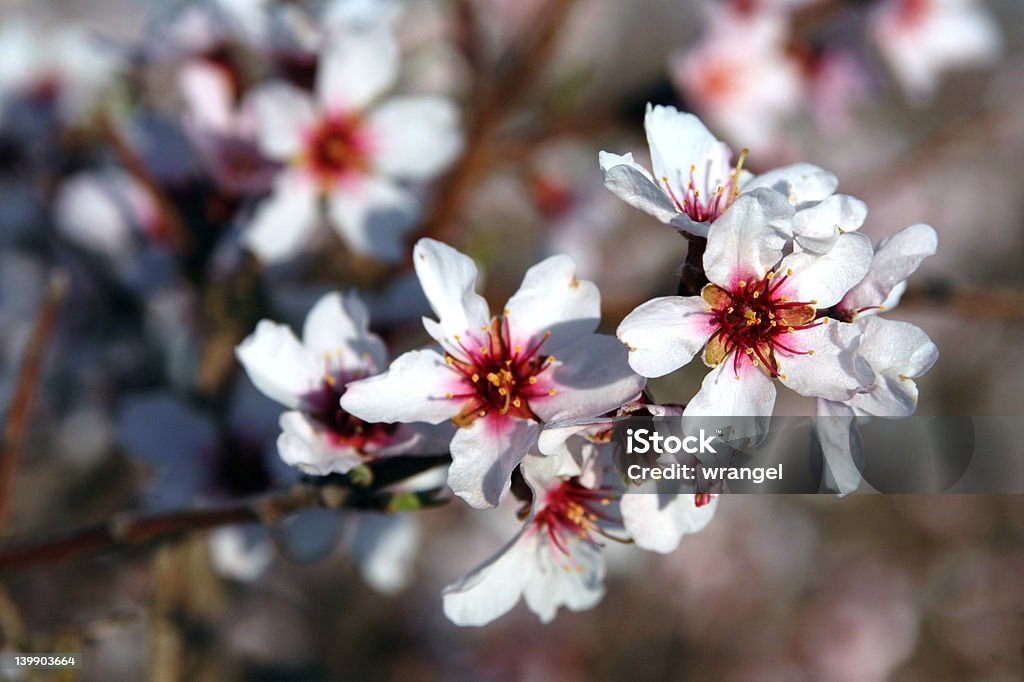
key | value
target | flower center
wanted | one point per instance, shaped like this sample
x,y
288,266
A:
x,y
337,148
755,321
708,207
575,512
344,429
497,375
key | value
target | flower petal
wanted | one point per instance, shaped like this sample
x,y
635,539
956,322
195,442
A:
x,y
356,70
658,521
484,455
836,428
818,227
551,299
724,393
630,182
491,589
664,334
748,238
339,327
898,352
285,220
412,390
575,581
823,279
278,364
831,372
448,279
372,215
305,445
283,115
896,259
800,183
415,137
593,378
682,145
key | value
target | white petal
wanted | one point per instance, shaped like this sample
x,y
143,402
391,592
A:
x,y
491,589
415,137
484,455
385,546
831,372
898,352
373,215
278,364
448,279
306,445
836,428
658,521
630,182
895,259
339,327
356,70
748,238
284,221
818,227
800,183
579,588
664,334
591,377
679,142
412,390
823,279
724,393
283,115
551,299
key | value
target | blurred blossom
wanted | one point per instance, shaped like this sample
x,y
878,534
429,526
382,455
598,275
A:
x,y
349,153
740,75
922,39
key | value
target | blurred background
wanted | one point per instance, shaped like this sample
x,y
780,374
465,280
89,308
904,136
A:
x,y
124,287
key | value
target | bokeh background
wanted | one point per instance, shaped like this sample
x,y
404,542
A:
x,y
137,404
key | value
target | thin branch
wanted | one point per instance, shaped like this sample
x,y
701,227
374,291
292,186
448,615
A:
x,y
517,73
20,407
334,492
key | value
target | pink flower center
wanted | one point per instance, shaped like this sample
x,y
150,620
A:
x,y
706,207
342,428
337,148
497,375
573,512
756,320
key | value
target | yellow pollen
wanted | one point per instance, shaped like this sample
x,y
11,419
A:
x,y
810,352
789,271
547,334
475,377
483,350
533,380
743,283
507,312
517,402
457,338
757,294
552,392
881,308
449,359
824,320
605,502
771,273
482,413
502,391
484,328
784,377
693,167
750,351
814,301
330,379
730,309
449,394
756,363
709,309
774,323
784,298
519,348
790,330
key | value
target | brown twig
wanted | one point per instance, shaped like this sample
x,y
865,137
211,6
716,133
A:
x,y
517,73
136,528
172,226
19,410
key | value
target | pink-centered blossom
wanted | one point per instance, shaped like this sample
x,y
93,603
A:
x,y
309,378
500,378
346,151
922,39
695,177
758,319
557,559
